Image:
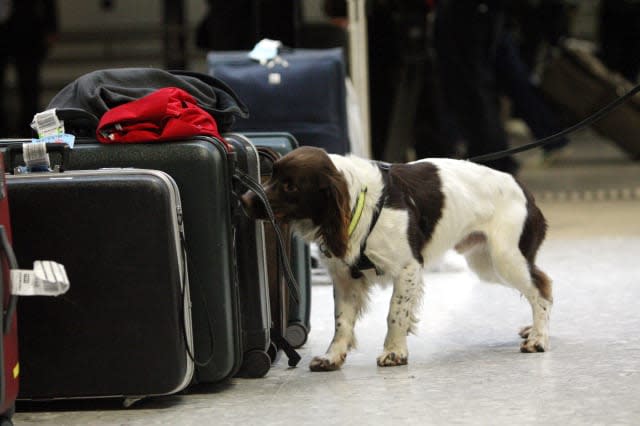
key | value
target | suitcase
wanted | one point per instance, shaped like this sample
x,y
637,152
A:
x,y
579,84
202,169
124,327
9,374
298,317
252,272
280,97
299,321
290,317
278,295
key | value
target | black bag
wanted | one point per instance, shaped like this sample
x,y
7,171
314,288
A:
x,y
93,94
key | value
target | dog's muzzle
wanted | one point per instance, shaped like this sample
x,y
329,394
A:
x,y
252,206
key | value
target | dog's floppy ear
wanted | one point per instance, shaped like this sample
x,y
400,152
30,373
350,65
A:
x,y
334,219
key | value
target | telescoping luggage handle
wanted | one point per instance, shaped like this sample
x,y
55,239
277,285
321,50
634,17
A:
x,y
251,184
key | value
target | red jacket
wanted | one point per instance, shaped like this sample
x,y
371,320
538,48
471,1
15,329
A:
x,y
166,114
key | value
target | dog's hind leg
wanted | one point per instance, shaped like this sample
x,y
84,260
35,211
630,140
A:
x,y
514,270
350,297
407,295
532,334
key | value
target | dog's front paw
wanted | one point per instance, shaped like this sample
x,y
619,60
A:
x,y
327,363
392,358
535,343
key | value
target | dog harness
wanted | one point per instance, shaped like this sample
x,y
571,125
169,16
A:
x,y
364,263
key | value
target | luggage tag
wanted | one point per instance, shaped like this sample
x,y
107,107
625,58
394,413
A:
x,y
36,158
50,128
47,278
267,52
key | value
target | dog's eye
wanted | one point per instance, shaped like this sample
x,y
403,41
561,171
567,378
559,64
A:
x,y
290,187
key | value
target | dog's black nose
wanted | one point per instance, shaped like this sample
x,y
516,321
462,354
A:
x,y
252,205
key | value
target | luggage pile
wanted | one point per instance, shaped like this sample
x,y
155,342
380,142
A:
x,y
170,283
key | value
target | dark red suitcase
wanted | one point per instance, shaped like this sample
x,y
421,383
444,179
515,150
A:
x,y
9,327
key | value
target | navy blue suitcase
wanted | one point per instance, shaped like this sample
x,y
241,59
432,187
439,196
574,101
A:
x,y
303,94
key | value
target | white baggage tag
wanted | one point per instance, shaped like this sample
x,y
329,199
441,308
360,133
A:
x,y
265,50
36,156
47,278
47,123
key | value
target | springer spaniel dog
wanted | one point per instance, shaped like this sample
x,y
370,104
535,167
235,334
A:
x,y
378,222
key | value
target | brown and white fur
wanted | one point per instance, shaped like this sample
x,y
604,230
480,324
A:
x,y
431,206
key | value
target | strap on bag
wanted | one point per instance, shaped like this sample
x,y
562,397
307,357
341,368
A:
x,y
282,343
254,186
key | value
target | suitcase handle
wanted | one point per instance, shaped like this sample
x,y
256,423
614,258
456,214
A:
x,y
13,264
16,149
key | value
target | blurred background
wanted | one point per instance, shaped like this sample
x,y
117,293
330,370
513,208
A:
x,y
406,91
97,34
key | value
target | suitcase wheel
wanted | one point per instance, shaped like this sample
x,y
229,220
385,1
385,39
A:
x,y
296,334
256,364
274,352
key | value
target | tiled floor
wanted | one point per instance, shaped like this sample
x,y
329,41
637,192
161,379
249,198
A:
x,y
465,366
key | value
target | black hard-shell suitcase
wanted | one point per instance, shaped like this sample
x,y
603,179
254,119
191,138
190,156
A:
x,y
202,169
124,327
298,317
579,84
252,272
303,93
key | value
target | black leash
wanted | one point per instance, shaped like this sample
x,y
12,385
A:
x,y
248,182
540,142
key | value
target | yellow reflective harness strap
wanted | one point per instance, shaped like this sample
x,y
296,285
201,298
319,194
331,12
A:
x,y
357,212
